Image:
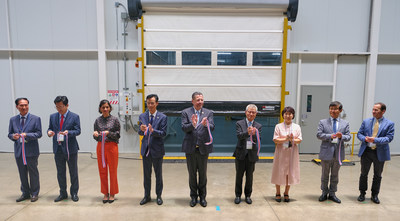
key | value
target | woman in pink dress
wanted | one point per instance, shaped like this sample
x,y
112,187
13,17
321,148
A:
x,y
286,167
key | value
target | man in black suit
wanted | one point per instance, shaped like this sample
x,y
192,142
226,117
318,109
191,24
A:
x,y
64,126
24,130
246,153
197,123
153,128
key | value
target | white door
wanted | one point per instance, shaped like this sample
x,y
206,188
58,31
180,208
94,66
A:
x,y
314,106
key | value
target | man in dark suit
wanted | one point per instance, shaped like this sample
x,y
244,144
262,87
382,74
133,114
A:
x,y
246,152
153,128
375,134
197,123
64,126
332,132
25,129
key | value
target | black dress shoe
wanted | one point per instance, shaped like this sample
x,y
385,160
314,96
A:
x,y
248,200
361,197
22,198
203,202
375,199
237,200
74,198
34,198
145,200
334,199
193,202
323,197
159,200
60,197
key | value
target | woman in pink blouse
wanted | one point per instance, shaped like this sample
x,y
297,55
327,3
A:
x,y
286,167
106,133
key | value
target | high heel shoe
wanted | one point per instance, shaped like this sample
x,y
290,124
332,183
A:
x,y
111,200
278,199
105,198
286,198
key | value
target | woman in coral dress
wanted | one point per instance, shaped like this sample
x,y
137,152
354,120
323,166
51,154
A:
x,y
286,167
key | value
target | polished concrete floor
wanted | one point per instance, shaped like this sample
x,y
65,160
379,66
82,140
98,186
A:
x,y
304,203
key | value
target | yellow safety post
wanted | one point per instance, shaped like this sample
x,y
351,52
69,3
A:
x,y
286,27
141,59
352,143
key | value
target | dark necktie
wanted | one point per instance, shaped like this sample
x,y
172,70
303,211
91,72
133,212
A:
x,y
22,122
334,125
151,119
61,122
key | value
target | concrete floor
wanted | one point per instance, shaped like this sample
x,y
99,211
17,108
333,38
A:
x,y
304,204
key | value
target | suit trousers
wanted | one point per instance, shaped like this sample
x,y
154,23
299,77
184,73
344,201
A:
x,y
29,169
61,160
111,160
156,163
330,167
369,156
197,163
243,166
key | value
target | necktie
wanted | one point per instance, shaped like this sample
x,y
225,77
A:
x,y
334,125
250,123
376,128
151,119
22,122
61,122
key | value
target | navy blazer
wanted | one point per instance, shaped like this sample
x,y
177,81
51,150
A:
x,y
199,135
324,133
243,136
33,130
156,142
383,138
72,124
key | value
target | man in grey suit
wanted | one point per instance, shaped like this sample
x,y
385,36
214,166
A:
x,y
24,130
333,132
197,123
246,152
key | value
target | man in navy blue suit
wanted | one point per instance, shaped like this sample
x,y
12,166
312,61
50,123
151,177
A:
x,y
24,130
375,134
64,126
153,128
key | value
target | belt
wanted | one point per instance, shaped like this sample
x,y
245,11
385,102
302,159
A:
x,y
371,148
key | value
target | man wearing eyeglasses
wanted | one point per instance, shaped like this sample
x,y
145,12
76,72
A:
x,y
64,126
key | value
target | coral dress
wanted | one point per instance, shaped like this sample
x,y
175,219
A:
x,y
286,160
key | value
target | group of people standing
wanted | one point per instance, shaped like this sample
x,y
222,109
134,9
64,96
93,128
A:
x,y
197,123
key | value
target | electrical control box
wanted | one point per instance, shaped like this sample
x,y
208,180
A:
x,y
127,103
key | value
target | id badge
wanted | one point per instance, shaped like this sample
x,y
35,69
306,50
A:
x,y
334,140
20,139
286,144
60,137
372,145
249,145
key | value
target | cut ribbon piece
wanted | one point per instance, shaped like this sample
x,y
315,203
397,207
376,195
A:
x,y
258,141
209,133
66,137
23,148
103,141
148,140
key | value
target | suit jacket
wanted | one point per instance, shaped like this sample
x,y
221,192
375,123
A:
x,y
243,136
33,130
72,124
325,130
199,135
156,142
382,140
